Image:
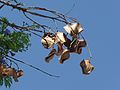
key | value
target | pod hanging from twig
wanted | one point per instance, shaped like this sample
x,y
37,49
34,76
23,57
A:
x,y
60,37
47,41
73,28
60,49
50,55
86,66
19,73
65,55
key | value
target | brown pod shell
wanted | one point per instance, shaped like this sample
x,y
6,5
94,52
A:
x,y
65,55
82,43
60,49
50,55
10,72
86,66
20,73
73,28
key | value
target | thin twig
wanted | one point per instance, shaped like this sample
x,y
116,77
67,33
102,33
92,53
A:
x,y
33,67
13,62
87,47
19,27
34,13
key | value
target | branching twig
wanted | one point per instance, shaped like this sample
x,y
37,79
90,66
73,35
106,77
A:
x,y
27,10
13,62
1,6
32,67
25,28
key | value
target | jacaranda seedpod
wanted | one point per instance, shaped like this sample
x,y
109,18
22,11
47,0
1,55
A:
x,y
50,55
65,55
86,66
73,28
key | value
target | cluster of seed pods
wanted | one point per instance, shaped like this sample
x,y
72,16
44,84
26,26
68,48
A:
x,y
66,46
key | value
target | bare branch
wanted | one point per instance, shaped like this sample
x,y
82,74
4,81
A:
x,y
33,67
27,28
60,17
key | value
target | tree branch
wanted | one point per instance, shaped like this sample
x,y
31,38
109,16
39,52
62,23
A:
x,y
60,17
32,67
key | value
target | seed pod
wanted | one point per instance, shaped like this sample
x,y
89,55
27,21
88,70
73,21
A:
x,y
47,42
10,72
78,50
67,43
86,66
60,37
65,55
19,73
60,49
50,55
81,43
73,28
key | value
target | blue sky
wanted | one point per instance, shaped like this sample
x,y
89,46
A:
x,y
100,19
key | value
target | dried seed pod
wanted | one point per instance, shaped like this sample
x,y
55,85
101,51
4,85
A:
x,y
47,42
60,49
73,28
74,47
73,43
19,73
50,55
10,72
81,43
78,50
65,55
60,37
86,66
67,43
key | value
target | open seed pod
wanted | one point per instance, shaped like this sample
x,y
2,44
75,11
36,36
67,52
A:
x,y
78,50
60,49
50,55
60,37
19,73
65,55
48,40
82,43
73,28
10,72
86,66
67,43
73,43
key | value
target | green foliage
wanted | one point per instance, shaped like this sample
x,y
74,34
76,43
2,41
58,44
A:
x,y
16,41
7,81
11,42
3,25
1,81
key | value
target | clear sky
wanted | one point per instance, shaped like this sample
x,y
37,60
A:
x,y
101,21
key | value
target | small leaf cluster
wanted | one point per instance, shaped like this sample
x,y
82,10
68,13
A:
x,y
11,43
7,81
